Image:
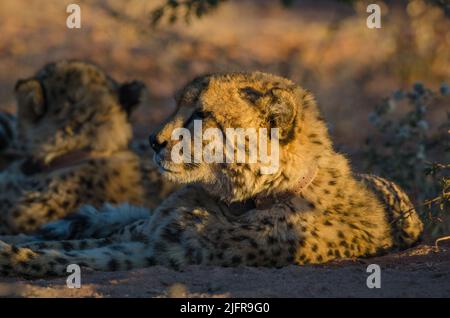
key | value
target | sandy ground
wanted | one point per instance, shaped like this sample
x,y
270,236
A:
x,y
423,271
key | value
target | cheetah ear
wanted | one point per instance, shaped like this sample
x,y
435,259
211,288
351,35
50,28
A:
x,y
278,105
131,94
30,98
282,111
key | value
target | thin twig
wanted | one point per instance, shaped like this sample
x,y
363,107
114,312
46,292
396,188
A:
x,y
444,238
408,212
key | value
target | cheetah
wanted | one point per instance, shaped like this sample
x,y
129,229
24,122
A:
x,y
312,210
7,135
73,132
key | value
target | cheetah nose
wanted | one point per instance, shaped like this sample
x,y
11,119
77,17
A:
x,y
155,144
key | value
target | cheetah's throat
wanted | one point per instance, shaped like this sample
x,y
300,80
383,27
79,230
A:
x,y
265,202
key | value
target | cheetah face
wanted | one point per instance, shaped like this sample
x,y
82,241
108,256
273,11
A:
x,y
253,102
73,105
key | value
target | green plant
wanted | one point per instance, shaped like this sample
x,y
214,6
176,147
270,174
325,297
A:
x,y
405,148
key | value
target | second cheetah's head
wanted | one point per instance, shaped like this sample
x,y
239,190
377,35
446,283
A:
x,y
74,105
257,103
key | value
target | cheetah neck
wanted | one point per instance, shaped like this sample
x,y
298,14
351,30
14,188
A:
x,y
263,202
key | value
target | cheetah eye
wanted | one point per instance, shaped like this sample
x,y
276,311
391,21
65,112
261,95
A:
x,y
197,115
71,100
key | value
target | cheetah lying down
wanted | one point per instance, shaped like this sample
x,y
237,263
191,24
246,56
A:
x,y
73,132
312,210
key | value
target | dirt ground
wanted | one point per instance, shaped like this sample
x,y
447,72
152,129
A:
x,y
423,271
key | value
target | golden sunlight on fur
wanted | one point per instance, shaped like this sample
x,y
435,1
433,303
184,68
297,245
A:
x,y
217,218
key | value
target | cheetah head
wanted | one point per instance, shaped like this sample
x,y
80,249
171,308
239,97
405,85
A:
x,y
73,105
256,102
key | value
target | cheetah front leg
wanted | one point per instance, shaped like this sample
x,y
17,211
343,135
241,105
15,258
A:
x,y
279,236
198,236
90,222
18,239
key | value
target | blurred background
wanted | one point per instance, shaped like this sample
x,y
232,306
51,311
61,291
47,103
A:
x,y
325,46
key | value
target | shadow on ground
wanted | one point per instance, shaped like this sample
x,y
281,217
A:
x,y
423,271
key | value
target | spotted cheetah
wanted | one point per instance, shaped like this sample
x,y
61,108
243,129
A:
x,y
73,131
7,135
311,210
